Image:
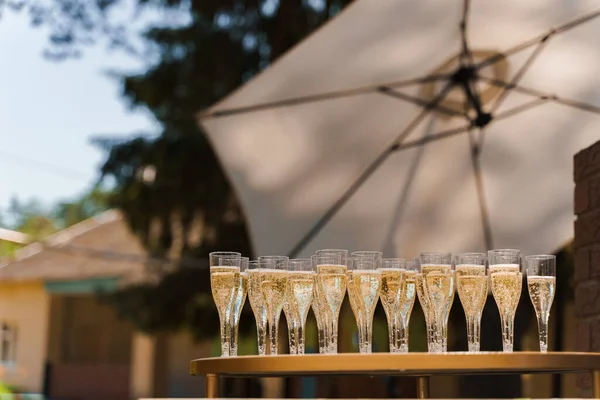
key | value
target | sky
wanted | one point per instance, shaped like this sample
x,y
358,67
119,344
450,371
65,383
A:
x,y
50,110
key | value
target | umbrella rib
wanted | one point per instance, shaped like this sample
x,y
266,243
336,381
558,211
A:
x,y
463,129
367,173
521,108
520,47
420,102
465,53
432,138
317,97
547,96
519,75
483,209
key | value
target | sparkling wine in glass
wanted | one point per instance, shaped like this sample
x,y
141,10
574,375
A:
x,y
423,296
291,323
273,284
258,306
298,301
224,282
472,287
316,308
506,280
393,273
407,300
541,284
364,282
332,267
238,304
438,280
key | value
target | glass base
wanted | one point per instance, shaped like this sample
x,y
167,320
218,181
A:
x,y
364,348
474,347
507,347
403,348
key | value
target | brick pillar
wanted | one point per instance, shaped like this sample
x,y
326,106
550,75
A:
x,y
587,253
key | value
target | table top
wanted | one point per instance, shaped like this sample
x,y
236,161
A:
x,y
397,364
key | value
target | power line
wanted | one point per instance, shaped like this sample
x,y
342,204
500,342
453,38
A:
x,y
54,169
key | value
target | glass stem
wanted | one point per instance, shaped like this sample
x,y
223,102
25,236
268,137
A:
x,y
300,337
403,334
261,337
507,333
543,332
233,346
292,338
369,335
321,337
273,334
225,334
361,332
473,333
430,335
333,336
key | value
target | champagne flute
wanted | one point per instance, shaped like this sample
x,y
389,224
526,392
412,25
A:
x,y
541,284
407,301
273,284
472,287
423,296
224,281
298,300
503,260
332,266
392,278
364,282
291,321
439,282
506,280
238,304
316,307
258,306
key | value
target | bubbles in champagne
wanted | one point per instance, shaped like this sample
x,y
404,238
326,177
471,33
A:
x,y
426,269
391,287
472,291
240,297
506,288
255,294
365,289
541,292
299,295
504,268
353,298
441,290
407,294
331,280
273,287
423,296
470,269
223,284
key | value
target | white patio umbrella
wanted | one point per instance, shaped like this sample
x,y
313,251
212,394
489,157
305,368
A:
x,y
408,126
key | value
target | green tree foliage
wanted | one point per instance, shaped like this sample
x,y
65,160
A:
x,y
28,217
91,203
38,221
171,188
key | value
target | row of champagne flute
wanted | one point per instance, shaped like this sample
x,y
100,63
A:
x,y
473,274
275,283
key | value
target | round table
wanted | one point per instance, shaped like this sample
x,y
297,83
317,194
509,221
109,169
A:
x,y
421,365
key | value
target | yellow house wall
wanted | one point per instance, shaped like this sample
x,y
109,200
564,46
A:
x,y
27,305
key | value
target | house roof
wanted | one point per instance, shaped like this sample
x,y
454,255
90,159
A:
x,y
102,246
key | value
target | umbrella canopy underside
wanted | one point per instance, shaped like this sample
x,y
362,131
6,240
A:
x,y
392,128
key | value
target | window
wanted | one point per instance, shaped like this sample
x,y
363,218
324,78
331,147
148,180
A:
x,y
8,343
